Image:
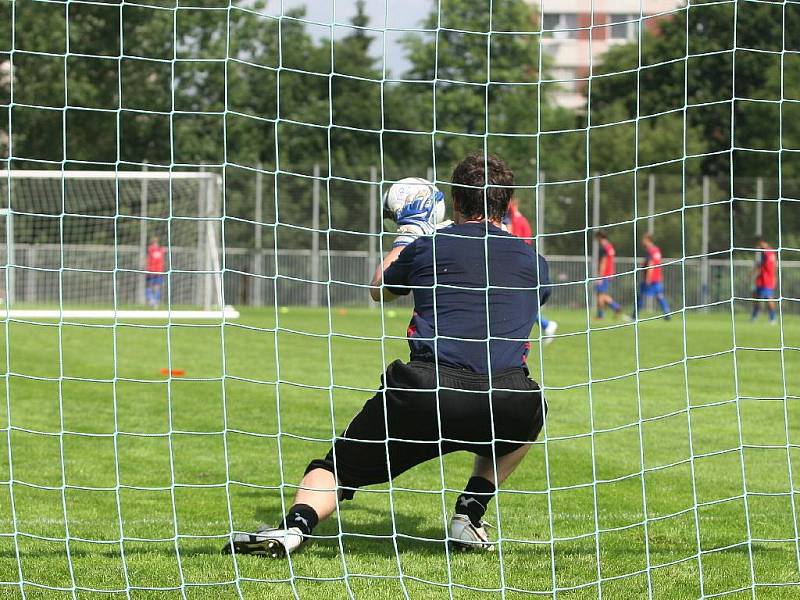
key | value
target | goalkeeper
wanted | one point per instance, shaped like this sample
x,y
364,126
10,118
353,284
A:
x,y
466,387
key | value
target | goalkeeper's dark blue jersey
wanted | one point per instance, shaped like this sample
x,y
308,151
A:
x,y
452,303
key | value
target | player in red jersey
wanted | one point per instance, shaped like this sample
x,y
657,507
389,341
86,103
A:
x,y
652,284
605,269
154,280
517,224
766,274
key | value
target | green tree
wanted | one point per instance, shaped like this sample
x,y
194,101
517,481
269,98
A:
x,y
728,64
471,90
485,86
714,77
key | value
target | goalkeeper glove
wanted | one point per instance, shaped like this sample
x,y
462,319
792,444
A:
x,y
414,219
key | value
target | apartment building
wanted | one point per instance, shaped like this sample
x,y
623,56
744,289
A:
x,y
578,32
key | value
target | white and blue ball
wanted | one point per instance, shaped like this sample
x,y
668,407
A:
x,y
410,189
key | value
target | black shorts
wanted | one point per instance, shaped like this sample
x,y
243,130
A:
x,y
472,419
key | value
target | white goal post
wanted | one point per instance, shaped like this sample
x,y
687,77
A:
x,y
75,244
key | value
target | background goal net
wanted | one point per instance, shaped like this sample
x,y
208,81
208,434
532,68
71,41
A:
x,y
255,140
77,241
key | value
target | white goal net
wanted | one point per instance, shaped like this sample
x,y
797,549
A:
x,y
163,162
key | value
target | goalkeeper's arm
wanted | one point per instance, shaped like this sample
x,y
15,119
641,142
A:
x,y
413,220
376,290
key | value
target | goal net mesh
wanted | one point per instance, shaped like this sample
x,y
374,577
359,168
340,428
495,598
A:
x,y
255,139
80,238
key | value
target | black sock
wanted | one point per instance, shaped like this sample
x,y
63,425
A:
x,y
475,499
301,516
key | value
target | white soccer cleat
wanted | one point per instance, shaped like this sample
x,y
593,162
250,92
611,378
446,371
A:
x,y
266,541
465,536
549,332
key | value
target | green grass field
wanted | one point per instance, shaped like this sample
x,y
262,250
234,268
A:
x,y
140,491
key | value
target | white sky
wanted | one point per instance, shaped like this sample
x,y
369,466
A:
x,y
391,14
383,13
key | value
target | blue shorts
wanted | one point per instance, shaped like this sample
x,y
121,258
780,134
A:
x,y
764,292
603,285
154,279
653,289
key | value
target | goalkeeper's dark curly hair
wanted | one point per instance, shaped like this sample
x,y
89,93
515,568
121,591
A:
x,y
473,195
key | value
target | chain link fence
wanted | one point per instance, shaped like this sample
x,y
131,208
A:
x,y
344,275
93,275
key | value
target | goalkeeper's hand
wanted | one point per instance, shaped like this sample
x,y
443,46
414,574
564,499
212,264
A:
x,y
414,220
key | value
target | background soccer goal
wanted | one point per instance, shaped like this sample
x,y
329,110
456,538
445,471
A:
x,y
255,140
76,242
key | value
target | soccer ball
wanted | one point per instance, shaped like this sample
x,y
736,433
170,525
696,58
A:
x,y
410,189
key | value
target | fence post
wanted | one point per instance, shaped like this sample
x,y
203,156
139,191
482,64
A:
x,y
140,289
30,276
704,242
595,219
759,206
372,257
540,201
258,263
595,229
11,258
651,203
201,242
315,239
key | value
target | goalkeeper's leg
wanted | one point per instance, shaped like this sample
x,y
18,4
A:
x,y
315,501
317,497
467,528
480,489
461,411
